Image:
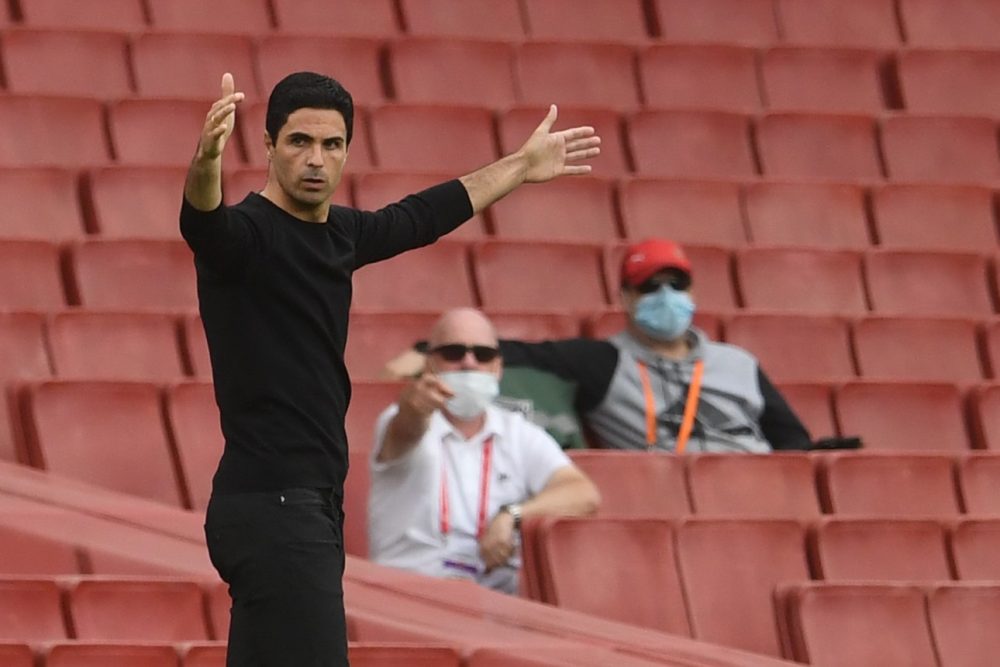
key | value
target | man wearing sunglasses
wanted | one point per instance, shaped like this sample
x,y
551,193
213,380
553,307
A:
x,y
453,475
660,383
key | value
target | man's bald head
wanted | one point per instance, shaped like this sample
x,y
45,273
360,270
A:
x,y
467,327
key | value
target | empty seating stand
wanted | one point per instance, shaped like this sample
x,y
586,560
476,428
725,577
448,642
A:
x,y
666,207
702,76
636,484
774,486
934,217
137,610
815,215
822,80
841,23
869,550
49,62
910,348
429,71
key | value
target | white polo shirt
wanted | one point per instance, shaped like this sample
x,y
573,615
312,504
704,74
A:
x,y
404,505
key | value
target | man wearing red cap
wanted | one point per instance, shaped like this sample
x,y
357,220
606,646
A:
x,y
661,383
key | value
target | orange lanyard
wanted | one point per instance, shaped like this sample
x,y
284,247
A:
x,y
690,406
484,491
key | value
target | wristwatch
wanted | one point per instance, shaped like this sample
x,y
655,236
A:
x,y
513,509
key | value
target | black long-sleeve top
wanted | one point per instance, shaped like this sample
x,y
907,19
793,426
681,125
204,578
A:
x,y
274,293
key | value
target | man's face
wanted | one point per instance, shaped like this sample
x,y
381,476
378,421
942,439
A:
x,y
307,160
466,344
677,279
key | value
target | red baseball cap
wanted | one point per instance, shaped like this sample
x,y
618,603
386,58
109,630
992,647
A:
x,y
645,259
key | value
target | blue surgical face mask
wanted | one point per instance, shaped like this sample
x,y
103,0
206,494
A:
x,y
664,314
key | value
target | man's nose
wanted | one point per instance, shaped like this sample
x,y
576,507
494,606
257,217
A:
x,y
469,361
315,157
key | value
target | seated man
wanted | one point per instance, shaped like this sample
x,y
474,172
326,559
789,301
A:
x,y
453,475
661,384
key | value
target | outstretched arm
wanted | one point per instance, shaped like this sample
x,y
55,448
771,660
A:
x,y
203,188
544,156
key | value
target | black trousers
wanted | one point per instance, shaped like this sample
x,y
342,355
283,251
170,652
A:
x,y
282,554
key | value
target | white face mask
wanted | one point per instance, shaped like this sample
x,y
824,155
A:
x,y
474,390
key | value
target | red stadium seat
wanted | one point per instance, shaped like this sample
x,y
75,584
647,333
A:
x,y
96,654
962,617
135,610
374,18
978,480
902,416
435,276
190,65
121,15
522,275
193,418
133,121
950,82
940,149
729,598
17,655
370,397
717,21
105,433
700,76
242,16
127,274
356,490
373,339
712,277
807,214
380,655
435,71
31,610
577,209
985,410
771,486
65,132
975,545
869,549
886,623
135,202
795,348
29,276
432,138
646,593
114,346
517,124
991,336
935,350
825,80
812,404
859,23
218,604
888,485
685,211
820,282
205,655
23,356
928,283
934,217
603,20
818,146
951,23
577,73
685,144
373,190
49,62
196,347
39,204
478,19
636,484
354,62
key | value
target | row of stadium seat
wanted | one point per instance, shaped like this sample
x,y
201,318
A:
x,y
498,75
143,202
156,346
70,132
516,275
715,578
965,23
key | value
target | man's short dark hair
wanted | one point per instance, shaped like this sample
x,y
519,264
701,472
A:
x,y
307,90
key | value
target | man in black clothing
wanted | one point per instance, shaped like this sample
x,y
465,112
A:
x,y
274,285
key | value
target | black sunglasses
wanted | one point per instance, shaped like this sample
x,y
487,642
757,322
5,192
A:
x,y
454,352
676,279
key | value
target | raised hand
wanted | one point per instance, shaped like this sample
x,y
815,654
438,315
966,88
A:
x,y
220,120
551,154
424,395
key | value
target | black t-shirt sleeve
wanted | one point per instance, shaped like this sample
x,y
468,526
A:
x,y
417,220
590,364
780,425
220,239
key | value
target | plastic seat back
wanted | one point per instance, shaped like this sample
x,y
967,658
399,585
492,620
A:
x,y
928,283
686,211
936,350
934,217
776,341
975,545
31,610
434,71
135,202
771,486
49,62
700,76
137,610
636,484
193,417
826,80
860,23
813,215
940,149
818,146
691,144
869,549
896,485
961,618
134,274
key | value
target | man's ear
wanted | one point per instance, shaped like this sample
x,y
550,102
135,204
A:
x,y
268,144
